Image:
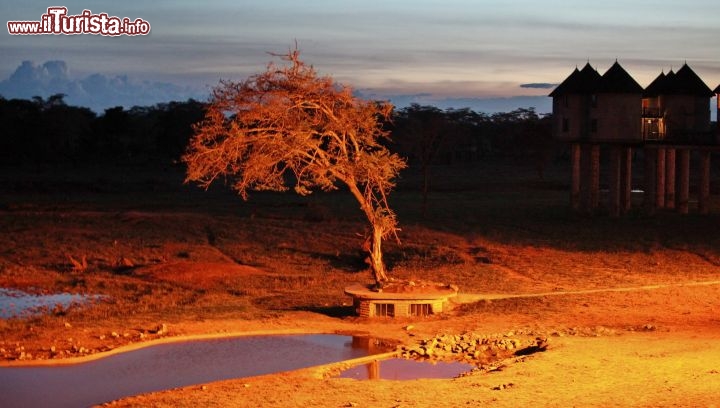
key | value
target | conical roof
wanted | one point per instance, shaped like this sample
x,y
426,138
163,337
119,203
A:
x,y
585,81
657,86
566,84
683,82
617,80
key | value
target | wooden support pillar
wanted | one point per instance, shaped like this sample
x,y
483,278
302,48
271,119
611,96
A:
x,y
704,187
670,178
615,180
626,179
650,180
626,182
594,176
683,162
575,181
660,178
585,177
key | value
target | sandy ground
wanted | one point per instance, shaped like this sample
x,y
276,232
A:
x,y
630,307
649,361
644,347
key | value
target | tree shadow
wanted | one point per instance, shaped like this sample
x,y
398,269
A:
x,y
330,311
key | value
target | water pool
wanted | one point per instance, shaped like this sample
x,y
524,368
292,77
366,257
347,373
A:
x,y
16,303
404,369
166,366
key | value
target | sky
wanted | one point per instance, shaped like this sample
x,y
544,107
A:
x,y
491,53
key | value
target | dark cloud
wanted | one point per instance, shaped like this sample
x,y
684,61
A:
x,y
95,91
538,85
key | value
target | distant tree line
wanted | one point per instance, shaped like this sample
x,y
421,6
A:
x,y
429,135
49,131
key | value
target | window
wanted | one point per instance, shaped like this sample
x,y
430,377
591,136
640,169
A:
x,y
566,125
420,309
384,309
593,125
593,100
565,99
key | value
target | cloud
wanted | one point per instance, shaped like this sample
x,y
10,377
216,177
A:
x,y
99,92
538,85
96,91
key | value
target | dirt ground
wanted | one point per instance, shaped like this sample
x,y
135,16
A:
x,y
630,307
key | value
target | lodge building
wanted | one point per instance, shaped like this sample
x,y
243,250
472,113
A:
x,y
668,122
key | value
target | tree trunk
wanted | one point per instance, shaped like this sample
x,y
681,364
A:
x,y
374,242
376,257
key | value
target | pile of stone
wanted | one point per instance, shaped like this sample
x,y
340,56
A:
x,y
473,347
71,347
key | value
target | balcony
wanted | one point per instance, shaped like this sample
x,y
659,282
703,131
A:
x,y
651,113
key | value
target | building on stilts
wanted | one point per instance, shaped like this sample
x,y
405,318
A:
x,y
667,124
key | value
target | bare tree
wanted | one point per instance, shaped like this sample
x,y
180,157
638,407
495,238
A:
x,y
289,120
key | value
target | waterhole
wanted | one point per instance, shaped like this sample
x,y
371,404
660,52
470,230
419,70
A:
x,y
166,366
16,303
404,369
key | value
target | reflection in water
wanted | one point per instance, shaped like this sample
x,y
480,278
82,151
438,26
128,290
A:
x,y
170,365
402,369
16,303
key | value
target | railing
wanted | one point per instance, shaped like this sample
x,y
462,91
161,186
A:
x,y
653,135
651,113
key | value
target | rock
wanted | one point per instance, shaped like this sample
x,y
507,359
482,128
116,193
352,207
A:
x,y
124,264
68,325
161,329
115,335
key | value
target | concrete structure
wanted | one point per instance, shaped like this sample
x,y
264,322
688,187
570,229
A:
x,y
370,303
668,122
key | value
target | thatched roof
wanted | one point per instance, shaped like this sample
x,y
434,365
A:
x,y
617,80
656,86
583,81
588,81
684,82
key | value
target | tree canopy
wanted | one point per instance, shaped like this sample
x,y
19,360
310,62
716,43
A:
x,y
288,126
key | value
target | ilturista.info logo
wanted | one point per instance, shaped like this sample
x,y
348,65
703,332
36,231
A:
x,y
57,21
